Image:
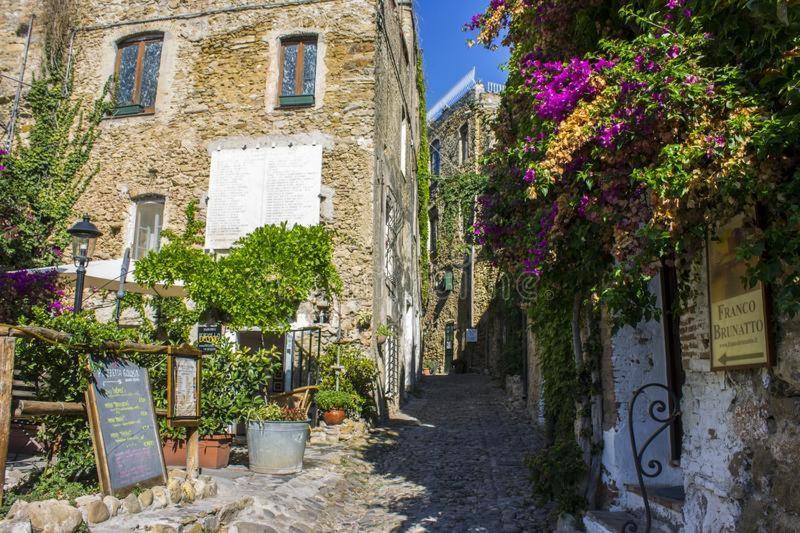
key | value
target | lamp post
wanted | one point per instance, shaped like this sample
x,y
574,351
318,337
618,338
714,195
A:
x,y
84,236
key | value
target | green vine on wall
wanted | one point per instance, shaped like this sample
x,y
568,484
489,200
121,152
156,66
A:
x,y
46,170
261,282
455,199
423,183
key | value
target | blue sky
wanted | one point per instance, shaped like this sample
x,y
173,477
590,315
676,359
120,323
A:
x,y
445,53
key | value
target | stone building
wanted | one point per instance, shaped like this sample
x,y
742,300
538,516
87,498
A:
x,y
467,293
284,110
730,461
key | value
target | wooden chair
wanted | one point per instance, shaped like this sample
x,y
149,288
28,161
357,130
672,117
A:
x,y
300,398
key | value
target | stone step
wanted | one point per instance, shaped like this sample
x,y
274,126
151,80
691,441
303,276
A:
x,y
614,522
666,503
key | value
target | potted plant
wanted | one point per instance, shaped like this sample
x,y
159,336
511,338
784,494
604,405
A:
x,y
428,366
231,381
334,405
276,439
383,332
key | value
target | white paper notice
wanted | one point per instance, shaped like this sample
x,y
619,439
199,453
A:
x,y
255,187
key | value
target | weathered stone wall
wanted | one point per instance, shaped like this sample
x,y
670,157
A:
x,y
15,17
476,109
397,299
741,429
217,86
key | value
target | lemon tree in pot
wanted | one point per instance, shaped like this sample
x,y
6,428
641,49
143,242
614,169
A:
x,y
276,439
335,405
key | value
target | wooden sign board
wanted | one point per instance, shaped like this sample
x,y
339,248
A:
x,y
123,424
740,332
183,390
207,336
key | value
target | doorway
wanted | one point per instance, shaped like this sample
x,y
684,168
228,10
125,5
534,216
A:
x,y
449,337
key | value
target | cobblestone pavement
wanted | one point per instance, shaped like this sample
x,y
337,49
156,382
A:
x,y
453,460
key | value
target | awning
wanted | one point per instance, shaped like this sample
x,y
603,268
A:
x,y
105,275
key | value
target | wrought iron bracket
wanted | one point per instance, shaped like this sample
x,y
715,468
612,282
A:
x,y
665,415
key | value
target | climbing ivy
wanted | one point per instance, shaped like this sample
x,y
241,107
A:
x,y
455,198
261,282
46,170
423,183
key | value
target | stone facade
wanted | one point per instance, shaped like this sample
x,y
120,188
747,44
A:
x,y
738,453
218,87
479,297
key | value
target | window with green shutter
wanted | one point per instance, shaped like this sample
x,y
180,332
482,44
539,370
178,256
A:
x,y
298,74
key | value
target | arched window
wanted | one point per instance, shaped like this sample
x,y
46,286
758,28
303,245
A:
x,y
149,219
138,61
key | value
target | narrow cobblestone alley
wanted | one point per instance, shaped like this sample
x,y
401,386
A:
x,y
453,460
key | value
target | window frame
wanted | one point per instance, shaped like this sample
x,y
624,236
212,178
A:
x,y
137,203
463,143
140,41
297,100
436,157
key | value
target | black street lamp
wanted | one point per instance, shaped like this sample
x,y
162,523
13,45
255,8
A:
x,y
84,236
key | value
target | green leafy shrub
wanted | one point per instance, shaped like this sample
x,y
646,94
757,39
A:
x,y
272,412
358,376
556,473
261,282
333,399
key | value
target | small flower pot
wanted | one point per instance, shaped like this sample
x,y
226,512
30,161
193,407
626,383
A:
x,y
215,451
380,339
333,417
426,371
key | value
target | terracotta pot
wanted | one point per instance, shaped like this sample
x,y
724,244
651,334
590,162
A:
x,y
334,417
426,371
380,339
175,452
215,451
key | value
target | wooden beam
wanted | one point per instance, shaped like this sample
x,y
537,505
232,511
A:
x,y
31,408
45,334
6,390
192,451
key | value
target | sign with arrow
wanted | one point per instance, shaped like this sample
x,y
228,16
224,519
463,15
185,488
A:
x,y
740,332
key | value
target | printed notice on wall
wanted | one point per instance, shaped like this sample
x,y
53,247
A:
x,y
254,187
739,326
186,392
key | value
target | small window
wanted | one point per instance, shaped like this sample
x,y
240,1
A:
x,y
147,232
434,232
436,157
463,144
298,72
138,61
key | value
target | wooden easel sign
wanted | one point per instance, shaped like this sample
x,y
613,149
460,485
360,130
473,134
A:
x,y
183,389
122,419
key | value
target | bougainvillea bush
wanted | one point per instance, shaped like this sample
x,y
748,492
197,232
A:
x,y
626,133
613,161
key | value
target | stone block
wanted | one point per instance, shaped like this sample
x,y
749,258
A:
x,y
146,498
130,504
97,512
161,528
53,516
113,504
176,473
229,512
188,492
160,497
194,527
17,525
210,523
175,490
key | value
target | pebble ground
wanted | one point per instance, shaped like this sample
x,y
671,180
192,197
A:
x,y
453,460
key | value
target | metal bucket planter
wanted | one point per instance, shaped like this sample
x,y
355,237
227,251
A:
x,y
276,447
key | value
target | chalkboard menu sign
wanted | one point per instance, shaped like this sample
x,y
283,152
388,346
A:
x,y
207,335
124,429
